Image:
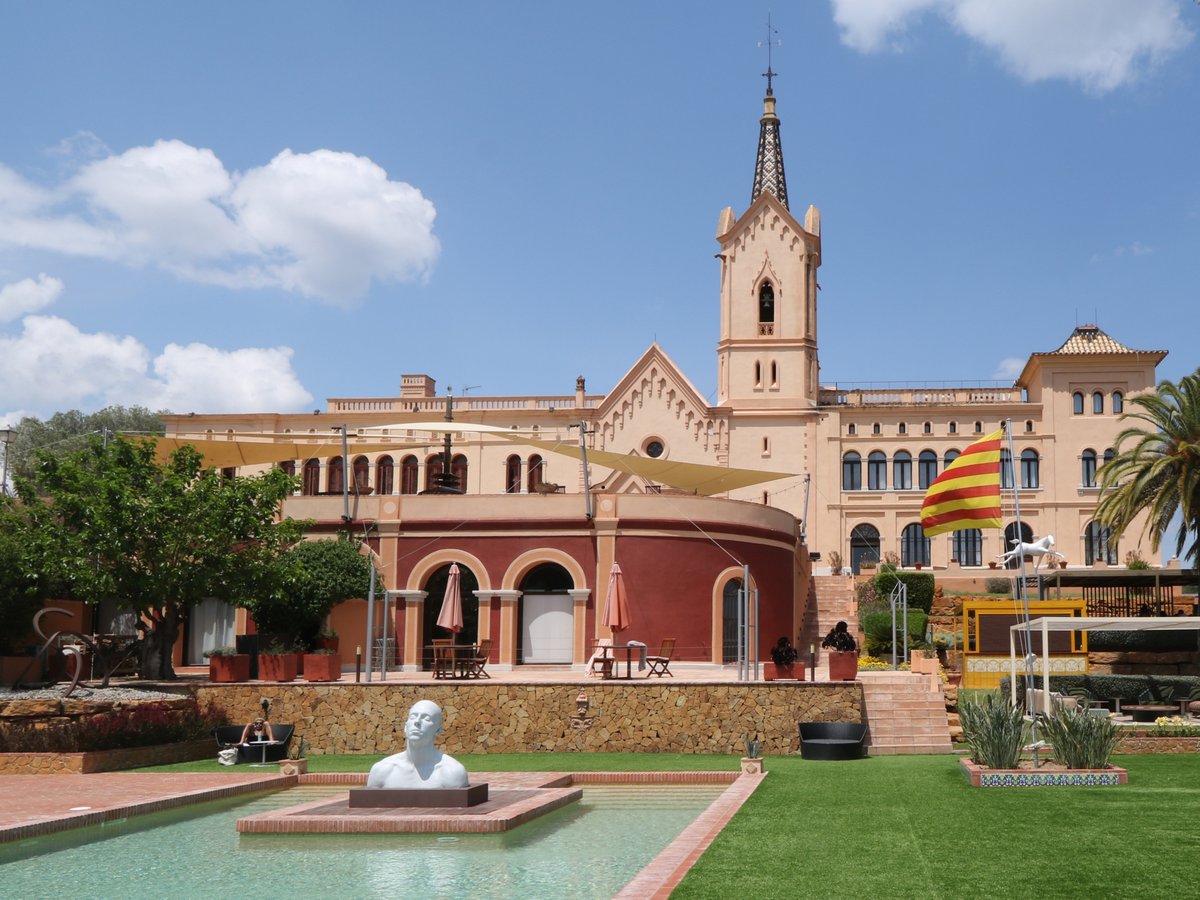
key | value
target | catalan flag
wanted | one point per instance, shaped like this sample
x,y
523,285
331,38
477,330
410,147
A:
x,y
967,494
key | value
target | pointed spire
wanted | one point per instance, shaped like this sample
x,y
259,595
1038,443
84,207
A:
x,y
768,167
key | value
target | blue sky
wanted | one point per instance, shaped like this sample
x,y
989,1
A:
x,y
252,207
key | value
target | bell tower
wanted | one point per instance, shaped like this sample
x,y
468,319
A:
x,y
767,353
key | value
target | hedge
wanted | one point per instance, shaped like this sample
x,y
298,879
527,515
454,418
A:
x,y
1120,641
1126,688
920,587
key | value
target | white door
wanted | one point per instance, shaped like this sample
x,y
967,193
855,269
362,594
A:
x,y
547,628
210,625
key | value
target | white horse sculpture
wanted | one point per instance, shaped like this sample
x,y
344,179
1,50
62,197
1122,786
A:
x,y
1041,548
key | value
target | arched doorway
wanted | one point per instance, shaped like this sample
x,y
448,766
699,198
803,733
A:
x,y
864,544
547,616
729,620
1010,540
435,586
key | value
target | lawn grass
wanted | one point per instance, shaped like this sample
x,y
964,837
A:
x,y
911,827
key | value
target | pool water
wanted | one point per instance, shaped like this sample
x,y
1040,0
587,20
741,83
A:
x,y
591,848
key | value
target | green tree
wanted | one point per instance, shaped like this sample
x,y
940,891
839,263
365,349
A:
x,y
111,523
1159,472
315,576
68,432
22,585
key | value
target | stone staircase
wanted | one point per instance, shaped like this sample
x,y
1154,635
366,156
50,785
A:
x,y
905,713
832,600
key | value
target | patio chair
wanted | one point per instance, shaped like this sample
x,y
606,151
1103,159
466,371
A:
x,y
601,661
659,664
228,735
473,665
443,659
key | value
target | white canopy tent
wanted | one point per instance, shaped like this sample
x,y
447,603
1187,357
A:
x,y
1046,624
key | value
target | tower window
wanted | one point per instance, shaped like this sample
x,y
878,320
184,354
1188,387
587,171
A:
x,y
875,429
954,428
766,303
774,375
1098,403
852,429
928,428
1077,403
1118,402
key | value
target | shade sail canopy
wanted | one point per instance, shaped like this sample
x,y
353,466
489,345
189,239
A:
x,y
223,454
697,477
1113,623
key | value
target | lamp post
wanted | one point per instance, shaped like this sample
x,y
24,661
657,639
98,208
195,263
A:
x,y
6,435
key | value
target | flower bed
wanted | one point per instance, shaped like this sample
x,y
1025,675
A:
x,y
1045,776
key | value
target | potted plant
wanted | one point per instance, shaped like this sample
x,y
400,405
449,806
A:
x,y
835,562
225,664
326,640
322,665
277,663
752,763
296,763
783,662
843,653
925,661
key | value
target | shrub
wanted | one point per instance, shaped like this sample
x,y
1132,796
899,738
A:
x,y
135,725
1118,641
877,627
1001,586
1081,740
1126,688
1134,560
994,730
221,651
920,587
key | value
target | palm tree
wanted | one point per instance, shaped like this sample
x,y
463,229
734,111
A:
x,y
1160,472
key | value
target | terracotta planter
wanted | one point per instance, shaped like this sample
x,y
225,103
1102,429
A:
x,y
790,672
843,665
322,667
277,666
329,643
752,765
923,665
293,767
992,564
229,668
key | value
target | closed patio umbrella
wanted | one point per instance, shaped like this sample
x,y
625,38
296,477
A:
x,y
616,603
451,616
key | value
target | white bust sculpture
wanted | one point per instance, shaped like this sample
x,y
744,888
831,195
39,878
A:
x,y
420,764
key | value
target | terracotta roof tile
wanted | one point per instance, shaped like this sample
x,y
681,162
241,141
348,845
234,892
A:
x,y
1090,339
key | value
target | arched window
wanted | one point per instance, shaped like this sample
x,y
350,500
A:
x,y
864,544
458,468
1011,536
1030,469
433,468
512,475
537,474
1006,468
361,467
1098,545
1087,461
877,471
1077,403
926,468
729,620
311,482
851,472
288,466
408,475
766,303
852,429
333,476
758,374
951,456
385,474
914,546
1029,426
774,375
902,470
968,547
1108,456
979,428
1118,402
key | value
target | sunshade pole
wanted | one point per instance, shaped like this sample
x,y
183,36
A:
x,y
370,619
345,476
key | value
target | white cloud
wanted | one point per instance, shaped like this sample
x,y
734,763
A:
x,y
1099,44
51,365
1137,248
322,224
28,296
1008,368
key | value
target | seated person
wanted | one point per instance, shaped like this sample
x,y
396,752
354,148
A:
x,y
839,638
258,730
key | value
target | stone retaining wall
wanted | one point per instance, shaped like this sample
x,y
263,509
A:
x,y
678,717
1134,744
104,760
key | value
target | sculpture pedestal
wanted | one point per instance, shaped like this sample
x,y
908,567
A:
x,y
421,798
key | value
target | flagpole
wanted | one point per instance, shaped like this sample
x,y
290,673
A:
x,y
1024,593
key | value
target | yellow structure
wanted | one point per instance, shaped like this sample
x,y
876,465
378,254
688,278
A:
x,y
986,625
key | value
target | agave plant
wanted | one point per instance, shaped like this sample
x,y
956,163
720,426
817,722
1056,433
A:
x,y
995,730
1081,740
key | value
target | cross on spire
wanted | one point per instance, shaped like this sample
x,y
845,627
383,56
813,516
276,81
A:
x,y
768,43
